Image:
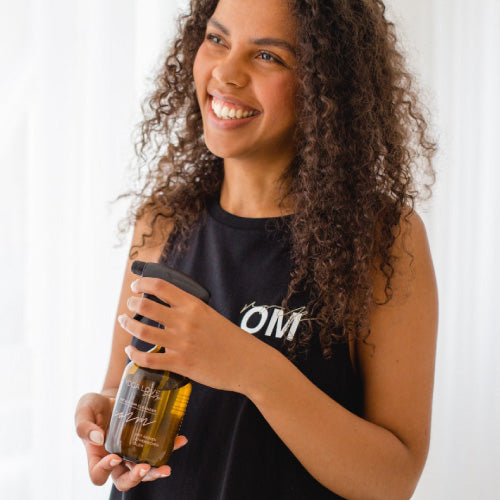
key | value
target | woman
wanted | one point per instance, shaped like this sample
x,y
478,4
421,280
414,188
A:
x,y
287,140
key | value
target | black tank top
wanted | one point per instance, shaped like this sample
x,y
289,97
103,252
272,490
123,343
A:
x,y
232,452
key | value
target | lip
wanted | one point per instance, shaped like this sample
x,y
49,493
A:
x,y
222,124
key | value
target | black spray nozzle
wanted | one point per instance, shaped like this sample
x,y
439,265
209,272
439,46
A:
x,y
177,278
138,266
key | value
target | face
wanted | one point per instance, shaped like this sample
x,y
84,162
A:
x,y
244,73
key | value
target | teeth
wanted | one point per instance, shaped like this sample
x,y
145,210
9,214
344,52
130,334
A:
x,y
226,113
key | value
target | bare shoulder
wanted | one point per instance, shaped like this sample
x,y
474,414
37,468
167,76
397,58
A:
x,y
397,361
413,260
151,231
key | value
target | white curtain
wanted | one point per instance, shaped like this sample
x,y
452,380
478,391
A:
x,y
73,75
456,48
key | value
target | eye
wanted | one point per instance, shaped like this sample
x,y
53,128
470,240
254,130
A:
x,y
266,56
214,39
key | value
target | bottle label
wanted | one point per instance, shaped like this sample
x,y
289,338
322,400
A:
x,y
146,418
135,413
138,411
143,440
147,391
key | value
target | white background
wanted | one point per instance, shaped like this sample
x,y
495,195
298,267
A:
x,y
73,75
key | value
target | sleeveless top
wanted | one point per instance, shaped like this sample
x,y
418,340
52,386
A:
x,y
232,452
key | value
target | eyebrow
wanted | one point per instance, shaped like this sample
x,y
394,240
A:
x,y
276,42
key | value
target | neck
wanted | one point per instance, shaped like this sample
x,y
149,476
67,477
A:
x,y
254,191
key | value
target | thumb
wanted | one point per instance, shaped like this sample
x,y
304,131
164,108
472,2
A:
x,y
91,417
86,428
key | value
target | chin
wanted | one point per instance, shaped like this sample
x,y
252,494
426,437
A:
x,y
221,150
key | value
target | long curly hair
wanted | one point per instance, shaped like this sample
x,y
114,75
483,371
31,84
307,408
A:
x,y
362,142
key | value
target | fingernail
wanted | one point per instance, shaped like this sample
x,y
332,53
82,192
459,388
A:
x,y
133,286
114,462
143,472
128,350
121,320
155,474
96,437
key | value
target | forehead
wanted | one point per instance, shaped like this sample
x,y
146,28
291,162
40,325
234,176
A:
x,y
257,18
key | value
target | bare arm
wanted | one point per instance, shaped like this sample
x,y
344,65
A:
x,y
382,455
149,253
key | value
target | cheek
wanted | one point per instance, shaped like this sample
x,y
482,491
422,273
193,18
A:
x,y
281,95
196,71
199,71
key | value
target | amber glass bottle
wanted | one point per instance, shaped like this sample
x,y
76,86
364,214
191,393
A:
x,y
150,404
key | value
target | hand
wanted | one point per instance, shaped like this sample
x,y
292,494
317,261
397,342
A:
x,y
200,343
92,416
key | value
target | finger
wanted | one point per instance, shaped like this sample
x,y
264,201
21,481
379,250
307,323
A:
x,y
101,468
86,428
94,409
179,442
148,308
90,432
142,331
157,473
168,360
125,479
167,292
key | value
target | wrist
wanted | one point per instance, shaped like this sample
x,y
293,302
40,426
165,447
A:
x,y
267,367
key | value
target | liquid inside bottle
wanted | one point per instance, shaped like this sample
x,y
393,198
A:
x,y
150,404
148,412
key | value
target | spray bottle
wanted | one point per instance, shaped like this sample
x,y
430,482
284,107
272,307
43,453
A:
x,y
150,404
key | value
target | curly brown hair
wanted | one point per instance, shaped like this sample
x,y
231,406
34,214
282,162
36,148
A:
x,y
361,142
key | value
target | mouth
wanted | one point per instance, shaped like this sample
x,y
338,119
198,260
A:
x,y
229,111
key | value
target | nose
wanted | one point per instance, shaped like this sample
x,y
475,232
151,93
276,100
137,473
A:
x,y
230,70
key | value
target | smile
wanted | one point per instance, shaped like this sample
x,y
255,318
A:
x,y
228,111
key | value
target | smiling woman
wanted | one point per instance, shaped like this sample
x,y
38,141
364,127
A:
x,y
239,66
282,179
